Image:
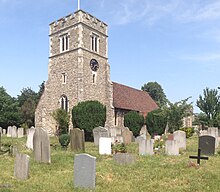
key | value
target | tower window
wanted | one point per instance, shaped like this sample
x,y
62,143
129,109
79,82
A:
x,y
64,103
64,78
93,77
64,43
94,43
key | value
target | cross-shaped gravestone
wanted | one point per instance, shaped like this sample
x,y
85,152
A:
x,y
198,157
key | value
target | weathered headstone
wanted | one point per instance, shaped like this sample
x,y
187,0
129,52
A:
x,y
146,147
20,132
171,147
30,135
4,131
14,132
99,132
124,158
180,137
207,144
105,146
138,139
127,136
41,146
77,139
21,169
1,130
9,130
84,171
213,131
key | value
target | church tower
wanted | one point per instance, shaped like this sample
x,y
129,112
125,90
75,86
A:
x,y
78,68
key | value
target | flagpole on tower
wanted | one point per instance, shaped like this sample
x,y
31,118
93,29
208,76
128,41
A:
x,y
78,4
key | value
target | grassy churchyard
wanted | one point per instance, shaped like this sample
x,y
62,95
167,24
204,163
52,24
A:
x,y
150,173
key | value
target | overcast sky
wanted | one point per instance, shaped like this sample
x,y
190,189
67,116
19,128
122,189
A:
x,y
174,42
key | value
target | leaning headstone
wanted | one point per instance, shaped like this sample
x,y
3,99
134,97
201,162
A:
x,y
213,131
171,147
9,130
14,132
30,135
180,137
21,169
124,158
127,135
84,171
20,132
207,144
41,146
4,131
99,132
146,147
77,139
105,146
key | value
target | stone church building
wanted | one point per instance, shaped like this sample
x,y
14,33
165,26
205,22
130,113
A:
x,y
79,71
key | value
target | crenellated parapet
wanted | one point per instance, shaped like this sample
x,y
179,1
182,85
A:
x,y
76,18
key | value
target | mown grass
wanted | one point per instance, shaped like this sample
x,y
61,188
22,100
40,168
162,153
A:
x,y
149,173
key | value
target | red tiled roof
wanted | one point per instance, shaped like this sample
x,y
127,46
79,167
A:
x,y
125,97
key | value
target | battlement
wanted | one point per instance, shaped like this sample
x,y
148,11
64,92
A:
x,y
76,18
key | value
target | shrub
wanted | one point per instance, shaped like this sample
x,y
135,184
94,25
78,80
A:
x,y
62,119
64,140
156,122
189,131
88,115
134,121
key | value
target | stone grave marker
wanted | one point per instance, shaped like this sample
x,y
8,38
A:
x,y
9,130
171,147
0,130
99,132
180,137
138,139
30,135
41,146
21,168
127,135
124,158
20,132
207,144
77,139
213,131
4,131
84,171
146,147
14,132
105,146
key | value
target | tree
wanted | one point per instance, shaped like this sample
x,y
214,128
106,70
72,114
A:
x,y
175,113
88,115
209,103
156,92
9,110
156,121
62,119
134,121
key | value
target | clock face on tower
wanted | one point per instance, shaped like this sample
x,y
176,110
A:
x,y
94,65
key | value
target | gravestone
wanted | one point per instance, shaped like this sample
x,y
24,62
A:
x,y
213,131
207,144
171,147
203,132
4,131
146,147
21,169
0,130
41,146
124,158
170,137
14,132
20,132
77,139
105,146
84,171
180,137
199,157
138,139
30,135
99,132
127,135
9,130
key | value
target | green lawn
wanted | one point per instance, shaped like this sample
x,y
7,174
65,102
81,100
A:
x,y
149,173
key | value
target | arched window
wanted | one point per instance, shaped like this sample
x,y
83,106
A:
x,y
64,103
